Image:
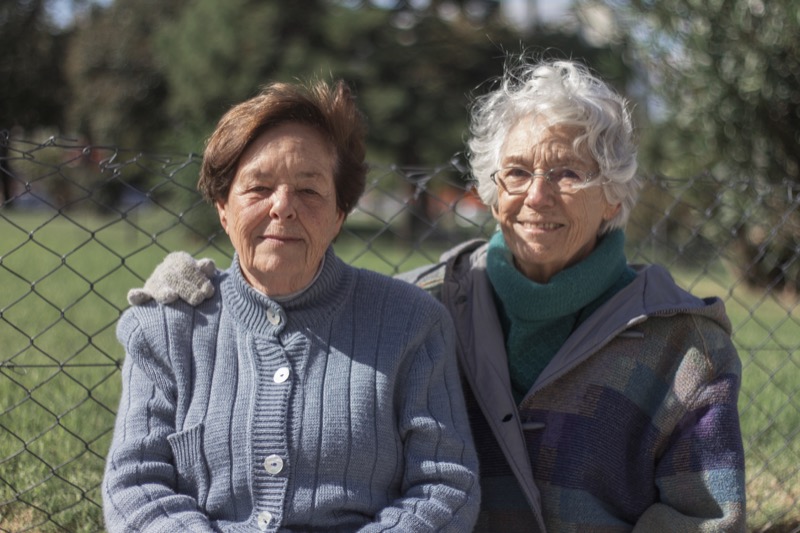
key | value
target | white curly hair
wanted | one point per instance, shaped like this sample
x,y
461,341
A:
x,y
566,93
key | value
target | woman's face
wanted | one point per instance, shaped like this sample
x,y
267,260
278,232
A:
x,y
281,213
547,230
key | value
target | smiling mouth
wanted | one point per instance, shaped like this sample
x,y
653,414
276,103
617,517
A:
x,y
546,226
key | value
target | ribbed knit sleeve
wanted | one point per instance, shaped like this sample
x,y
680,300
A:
x,y
140,487
384,415
440,490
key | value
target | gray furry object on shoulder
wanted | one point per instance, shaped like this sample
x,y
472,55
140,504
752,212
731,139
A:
x,y
178,276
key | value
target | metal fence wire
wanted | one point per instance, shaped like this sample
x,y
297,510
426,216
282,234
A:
x,y
80,225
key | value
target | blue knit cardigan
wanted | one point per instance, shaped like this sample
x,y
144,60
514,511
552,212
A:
x,y
340,410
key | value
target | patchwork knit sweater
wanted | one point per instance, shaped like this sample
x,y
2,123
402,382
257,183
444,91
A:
x,y
632,426
339,410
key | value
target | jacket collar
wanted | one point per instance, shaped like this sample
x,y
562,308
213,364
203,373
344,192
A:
x,y
652,293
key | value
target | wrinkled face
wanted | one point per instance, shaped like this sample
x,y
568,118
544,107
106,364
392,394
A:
x,y
547,230
281,212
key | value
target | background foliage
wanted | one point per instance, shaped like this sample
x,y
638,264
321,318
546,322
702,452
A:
x,y
716,83
724,76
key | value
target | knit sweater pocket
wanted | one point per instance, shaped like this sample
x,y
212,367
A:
x,y
190,463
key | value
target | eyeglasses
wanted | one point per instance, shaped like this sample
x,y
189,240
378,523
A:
x,y
517,180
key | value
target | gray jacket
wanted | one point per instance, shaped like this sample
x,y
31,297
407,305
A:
x,y
572,461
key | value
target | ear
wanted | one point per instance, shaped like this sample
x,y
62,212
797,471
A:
x,y
611,211
223,218
339,220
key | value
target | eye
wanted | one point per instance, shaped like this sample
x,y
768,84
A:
x,y
259,189
308,191
516,173
566,175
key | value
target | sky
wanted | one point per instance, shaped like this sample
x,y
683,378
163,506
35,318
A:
x,y
517,11
522,10
62,10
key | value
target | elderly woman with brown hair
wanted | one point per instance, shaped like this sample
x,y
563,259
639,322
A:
x,y
304,394
602,396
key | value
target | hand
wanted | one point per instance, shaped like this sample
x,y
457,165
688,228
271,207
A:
x,y
178,276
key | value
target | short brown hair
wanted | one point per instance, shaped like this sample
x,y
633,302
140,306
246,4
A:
x,y
329,108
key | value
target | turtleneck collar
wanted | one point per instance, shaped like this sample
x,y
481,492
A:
x,y
315,304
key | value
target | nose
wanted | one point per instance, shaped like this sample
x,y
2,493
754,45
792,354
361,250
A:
x,y
540,191
282,207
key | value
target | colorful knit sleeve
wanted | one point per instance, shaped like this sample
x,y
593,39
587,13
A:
x,y
700,476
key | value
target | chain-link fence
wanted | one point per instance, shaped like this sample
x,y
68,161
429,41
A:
x,y
80,225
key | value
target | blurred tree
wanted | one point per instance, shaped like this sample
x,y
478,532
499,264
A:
x,y
217,54
30,59
412,64
725,76
419,72
147,73
419,64
32,88
119,92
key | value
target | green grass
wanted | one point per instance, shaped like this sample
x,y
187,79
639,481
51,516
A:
x,y
64,282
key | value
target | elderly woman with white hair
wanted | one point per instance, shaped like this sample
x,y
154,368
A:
x,y
602,397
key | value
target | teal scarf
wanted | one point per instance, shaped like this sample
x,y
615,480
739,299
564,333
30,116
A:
x,y
538,318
